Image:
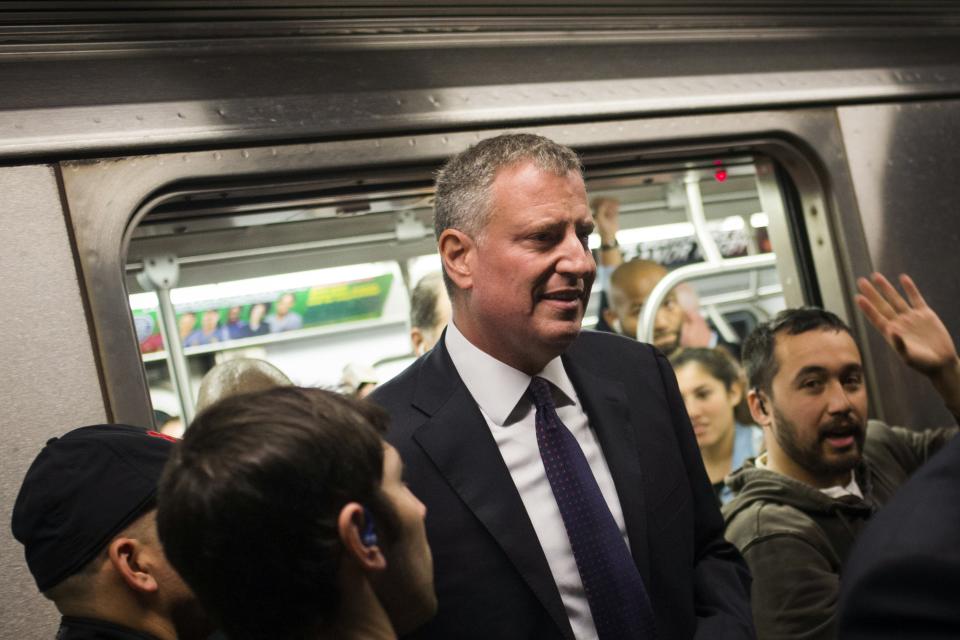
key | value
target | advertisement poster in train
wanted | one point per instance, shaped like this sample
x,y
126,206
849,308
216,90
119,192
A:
x,y
251,317
678,252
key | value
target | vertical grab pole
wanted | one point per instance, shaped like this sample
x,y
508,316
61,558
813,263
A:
x,y
160,274
698,219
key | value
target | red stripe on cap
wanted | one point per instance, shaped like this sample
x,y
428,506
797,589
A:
x,y
157,434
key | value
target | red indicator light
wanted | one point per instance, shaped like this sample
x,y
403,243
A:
x,y
720,175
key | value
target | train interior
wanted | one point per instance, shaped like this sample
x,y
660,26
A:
x,y
343,253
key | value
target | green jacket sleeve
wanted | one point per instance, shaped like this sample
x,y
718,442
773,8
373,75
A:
x,y
795,589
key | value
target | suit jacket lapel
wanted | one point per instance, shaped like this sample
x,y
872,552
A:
x,y
458,441
605,403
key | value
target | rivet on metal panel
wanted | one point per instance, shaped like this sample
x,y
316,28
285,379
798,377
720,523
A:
x,y
819,241
433,101
221,113
245,153
97,120
217,155
813,211
412,142
139,118
445,140
181,116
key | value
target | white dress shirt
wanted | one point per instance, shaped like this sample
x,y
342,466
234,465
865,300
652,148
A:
x,y
500,392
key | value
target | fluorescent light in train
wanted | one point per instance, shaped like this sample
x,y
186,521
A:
x,y
648,234
264,284
732,223
758,220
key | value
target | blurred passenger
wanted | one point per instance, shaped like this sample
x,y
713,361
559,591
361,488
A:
x,y
630,286
358,380
210,331
678,323
696,330
286,513
240,375
712,387
256,321
799,506
173,426
284,318
86,516
606,214
429,312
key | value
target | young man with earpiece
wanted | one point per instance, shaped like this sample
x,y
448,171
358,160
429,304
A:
x,y
285,511
801,505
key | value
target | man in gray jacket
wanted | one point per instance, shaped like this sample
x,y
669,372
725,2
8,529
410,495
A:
x,y
801,505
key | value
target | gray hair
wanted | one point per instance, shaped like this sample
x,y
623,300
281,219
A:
x,y
423,302
462,198
237,376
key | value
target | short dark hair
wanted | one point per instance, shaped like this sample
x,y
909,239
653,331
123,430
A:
x,y
249,504
758,358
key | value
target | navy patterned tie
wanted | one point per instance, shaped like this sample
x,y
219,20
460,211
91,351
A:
x,y
615,591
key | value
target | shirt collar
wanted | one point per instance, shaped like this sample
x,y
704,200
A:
x,y
837,491
496,386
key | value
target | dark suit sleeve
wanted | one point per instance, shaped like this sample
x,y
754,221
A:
x,y
907,596
722,580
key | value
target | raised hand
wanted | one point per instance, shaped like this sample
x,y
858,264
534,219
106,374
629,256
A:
x,y
606,211
911,327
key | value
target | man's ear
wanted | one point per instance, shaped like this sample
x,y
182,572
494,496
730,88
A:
x,y
457,253
351,524
416,339
132,560
759,407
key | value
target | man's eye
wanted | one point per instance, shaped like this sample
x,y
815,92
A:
x,y
702,395
812,385
853,382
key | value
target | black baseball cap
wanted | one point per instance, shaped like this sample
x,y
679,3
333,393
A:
x,y
83,489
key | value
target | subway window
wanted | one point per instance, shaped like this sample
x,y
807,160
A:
x,y
316,276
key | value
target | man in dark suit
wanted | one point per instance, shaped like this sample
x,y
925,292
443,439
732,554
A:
x,y
903,576
565,493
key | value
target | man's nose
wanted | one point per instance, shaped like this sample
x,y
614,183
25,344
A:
x,y
575,259
838,400
662,319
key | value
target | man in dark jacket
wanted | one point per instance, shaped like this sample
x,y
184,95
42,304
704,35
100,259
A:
x,y
86,516
801,505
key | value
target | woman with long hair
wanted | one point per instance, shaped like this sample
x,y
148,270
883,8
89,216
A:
x,y
712,386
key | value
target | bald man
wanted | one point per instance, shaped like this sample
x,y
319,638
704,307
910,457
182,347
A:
x,y
630,286
240,375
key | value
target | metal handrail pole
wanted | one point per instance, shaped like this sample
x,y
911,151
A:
x,y
696,271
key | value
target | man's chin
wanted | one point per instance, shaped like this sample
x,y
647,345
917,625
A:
x,y
667,346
